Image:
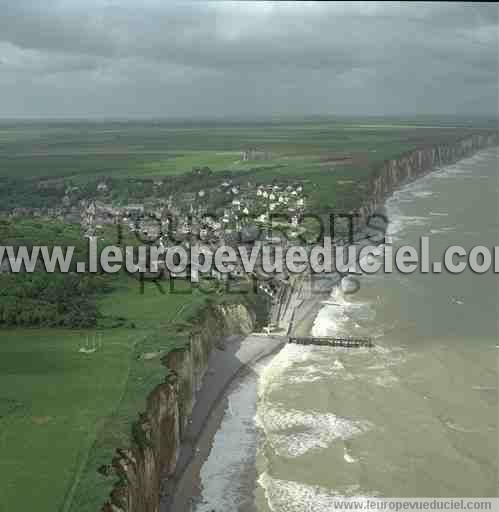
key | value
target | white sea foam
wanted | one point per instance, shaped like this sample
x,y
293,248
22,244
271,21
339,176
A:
x,y
338,365
398,221
288,496
233,447
386,380
461,429
318,370
348,457
292,432
342,316
421,194
440,231
271,376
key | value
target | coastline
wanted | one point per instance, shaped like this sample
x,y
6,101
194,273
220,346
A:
x,y
224,368
299,317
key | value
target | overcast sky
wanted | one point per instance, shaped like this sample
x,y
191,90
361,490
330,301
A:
x,y
156,58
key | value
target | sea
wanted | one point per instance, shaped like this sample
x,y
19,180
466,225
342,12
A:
x,y
415,416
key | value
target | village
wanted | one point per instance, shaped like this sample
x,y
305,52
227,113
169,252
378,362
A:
x,y
252,215
227,212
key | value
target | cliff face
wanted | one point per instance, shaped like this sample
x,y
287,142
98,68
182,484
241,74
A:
x,y
160,430
393,173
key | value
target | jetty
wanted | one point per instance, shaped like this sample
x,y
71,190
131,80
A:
x,y
332,341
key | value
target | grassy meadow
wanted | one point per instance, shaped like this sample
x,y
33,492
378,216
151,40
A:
x,y
63,412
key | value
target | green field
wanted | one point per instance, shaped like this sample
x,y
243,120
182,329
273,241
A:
x,y
53,401
38,162
160,149
63,412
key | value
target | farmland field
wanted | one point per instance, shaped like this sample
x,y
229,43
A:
x,y
38,162
159,149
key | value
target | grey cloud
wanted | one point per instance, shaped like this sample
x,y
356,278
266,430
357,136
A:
x,y
155,58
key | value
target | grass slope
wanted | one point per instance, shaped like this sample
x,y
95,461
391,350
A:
x,y
62,412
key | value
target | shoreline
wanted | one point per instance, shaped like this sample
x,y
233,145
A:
x,y
299,315
225,367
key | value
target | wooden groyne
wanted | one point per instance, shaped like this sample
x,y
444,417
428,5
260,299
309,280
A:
x,y
332,341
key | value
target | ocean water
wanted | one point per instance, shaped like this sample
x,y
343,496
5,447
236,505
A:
x,y
415,416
